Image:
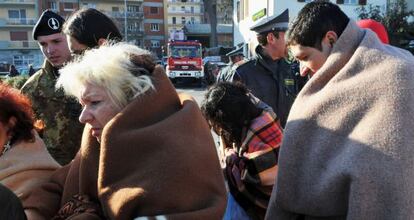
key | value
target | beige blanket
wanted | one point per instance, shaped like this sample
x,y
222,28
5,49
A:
x,y
25,166
348,148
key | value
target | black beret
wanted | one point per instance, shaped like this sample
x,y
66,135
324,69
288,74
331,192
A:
x,y
237,51
272,23
48,23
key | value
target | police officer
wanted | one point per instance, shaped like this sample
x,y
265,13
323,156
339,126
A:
x,y
60,114
270,74
236,58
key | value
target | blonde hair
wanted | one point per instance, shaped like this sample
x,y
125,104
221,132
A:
x,y
111,67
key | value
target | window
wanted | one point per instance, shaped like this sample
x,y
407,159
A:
x,y
182,20
153,10
17,14
68,6
174,20
155,27
23,60
133,8
53,6
155,44
88,5
192,20
192,9
115,9
134,27
351,2
18,36
183,8
173,8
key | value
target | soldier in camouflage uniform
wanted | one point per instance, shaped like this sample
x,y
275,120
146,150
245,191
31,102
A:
x,y
63,131
270,75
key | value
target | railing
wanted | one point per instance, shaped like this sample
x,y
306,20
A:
x,y
187,1
186,12
135,31
17,1
18,21
121,14
5,45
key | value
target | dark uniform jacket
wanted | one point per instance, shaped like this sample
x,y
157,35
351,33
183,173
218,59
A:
x,y
63,131
224,72
275,82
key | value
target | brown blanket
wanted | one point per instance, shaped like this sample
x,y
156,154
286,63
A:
x,y
157,158
348,147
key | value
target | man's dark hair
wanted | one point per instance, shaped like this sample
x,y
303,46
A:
x,y
314,21
228,106
262,37
87,26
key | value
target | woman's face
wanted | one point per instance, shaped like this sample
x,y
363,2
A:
x,y
97,110
4,132
3,136
75,47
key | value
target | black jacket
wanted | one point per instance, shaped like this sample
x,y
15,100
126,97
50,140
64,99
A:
x,y
275,82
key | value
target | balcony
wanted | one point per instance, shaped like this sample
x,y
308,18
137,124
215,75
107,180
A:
x,y
18,45
135,32
121,14
185,12
18,2
185,1
29,22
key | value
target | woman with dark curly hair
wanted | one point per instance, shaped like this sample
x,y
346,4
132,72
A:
x,y
24,160
250,138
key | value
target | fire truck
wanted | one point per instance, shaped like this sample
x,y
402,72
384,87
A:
x,y
184,60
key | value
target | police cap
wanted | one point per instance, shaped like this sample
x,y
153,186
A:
x,y
272,23
235,52
48,23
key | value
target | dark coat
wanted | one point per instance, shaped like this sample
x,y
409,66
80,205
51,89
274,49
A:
x,y
275,82
10,205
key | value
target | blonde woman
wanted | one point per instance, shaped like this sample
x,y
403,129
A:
x,y
146,151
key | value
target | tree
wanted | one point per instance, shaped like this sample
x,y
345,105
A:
x,y
372,12
395,20
211,10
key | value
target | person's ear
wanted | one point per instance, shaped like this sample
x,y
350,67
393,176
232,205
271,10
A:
x,y
101,41
330,38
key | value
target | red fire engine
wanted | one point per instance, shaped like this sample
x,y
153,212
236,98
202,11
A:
x,y
184,60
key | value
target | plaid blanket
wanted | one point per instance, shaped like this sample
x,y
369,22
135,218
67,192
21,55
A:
x,y
251,168
264,133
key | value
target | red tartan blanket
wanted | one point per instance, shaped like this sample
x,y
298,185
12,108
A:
x,y
251,169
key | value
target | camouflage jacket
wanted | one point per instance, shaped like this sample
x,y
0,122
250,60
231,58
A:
x,y
63,131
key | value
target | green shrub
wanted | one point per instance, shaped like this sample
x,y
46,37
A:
x,y
17,81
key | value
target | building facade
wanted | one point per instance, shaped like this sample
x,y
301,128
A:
x,y
62,7
246,13
182,12
17,18
128,15
154,39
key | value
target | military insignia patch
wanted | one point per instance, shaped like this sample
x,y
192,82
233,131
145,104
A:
x,y
289,82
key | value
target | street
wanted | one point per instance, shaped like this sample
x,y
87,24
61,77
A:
x,y
198,93
193,90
